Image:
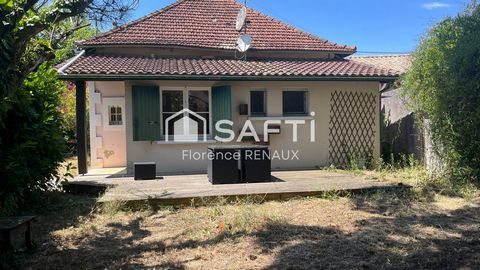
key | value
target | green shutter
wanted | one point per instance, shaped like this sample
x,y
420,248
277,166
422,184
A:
x,y
146,113
221,105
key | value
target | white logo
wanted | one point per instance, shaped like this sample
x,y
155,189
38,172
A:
x,y
185,129
187,123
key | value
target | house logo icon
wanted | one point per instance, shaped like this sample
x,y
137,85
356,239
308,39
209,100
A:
x,y
185,128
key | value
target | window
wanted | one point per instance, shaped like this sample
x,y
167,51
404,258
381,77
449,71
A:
x,y
257,102
115,116
197,100
295,102
113,111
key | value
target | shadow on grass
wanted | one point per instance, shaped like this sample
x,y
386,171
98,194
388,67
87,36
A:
x,y
426,239
391,238
433,241
117,246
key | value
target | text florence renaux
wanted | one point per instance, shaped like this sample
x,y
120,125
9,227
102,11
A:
x,y
248,130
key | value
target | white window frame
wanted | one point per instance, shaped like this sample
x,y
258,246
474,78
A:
x,y
185,90
307,100
108,102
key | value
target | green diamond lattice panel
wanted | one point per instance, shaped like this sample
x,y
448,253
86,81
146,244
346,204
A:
x,y
352,128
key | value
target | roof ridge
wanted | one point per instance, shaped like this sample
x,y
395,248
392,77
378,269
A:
x,y
143,18
261,59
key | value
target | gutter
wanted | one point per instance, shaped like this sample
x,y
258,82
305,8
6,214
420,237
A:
x,y
114,77
70,62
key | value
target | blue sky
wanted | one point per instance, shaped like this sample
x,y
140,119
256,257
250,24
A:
x,y
386,26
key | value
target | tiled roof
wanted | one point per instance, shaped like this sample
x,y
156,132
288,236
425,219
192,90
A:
x,y
184,67
211,24
398,62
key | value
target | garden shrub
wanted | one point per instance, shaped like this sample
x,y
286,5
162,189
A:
x,y
443,85
31,139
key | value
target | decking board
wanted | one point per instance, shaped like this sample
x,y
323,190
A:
x,y
181,187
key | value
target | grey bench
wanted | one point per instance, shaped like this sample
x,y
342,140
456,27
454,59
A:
x,y
13,227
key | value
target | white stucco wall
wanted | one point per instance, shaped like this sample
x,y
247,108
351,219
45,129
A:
x,y
108,144
312,154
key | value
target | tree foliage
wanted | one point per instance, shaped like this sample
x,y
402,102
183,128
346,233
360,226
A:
x,y
65,51
32,141
32,29
33,33
443,85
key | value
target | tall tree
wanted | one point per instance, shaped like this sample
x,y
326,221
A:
x,y
33,33
31,30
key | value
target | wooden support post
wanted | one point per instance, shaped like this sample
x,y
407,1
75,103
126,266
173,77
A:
x,y
81,131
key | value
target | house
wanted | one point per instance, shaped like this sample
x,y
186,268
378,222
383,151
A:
x,y
140,78
400,135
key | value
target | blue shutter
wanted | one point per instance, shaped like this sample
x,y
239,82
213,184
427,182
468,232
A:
x,y
146,113
221,105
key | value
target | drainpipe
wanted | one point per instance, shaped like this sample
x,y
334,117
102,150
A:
x,y
69,63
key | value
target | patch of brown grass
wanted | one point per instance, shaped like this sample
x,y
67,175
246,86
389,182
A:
x,y
378,230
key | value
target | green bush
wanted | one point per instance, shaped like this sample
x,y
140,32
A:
x,y
443,85
31,139
67,108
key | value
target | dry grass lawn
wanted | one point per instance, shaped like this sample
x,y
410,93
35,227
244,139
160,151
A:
x,y
369,231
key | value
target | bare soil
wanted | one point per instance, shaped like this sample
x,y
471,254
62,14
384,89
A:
x,y
370,231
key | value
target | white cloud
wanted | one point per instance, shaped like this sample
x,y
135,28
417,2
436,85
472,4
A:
x,y
434,5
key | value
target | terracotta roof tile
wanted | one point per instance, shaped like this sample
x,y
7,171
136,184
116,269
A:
x,y
398,62
138,65
211,24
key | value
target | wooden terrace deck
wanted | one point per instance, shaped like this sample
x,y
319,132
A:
x,y
185,187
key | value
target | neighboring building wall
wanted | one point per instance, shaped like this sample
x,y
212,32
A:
x,y
401,135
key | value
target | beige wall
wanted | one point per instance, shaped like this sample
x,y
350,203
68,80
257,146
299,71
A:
x,y
312,154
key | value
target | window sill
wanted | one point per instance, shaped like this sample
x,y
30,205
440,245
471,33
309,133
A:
x,y
285,117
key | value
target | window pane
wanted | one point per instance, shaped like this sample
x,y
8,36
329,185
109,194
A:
x,y
172,101
257,102
112,110
119,110
119,116
202,123
294,102
171,123
198,101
